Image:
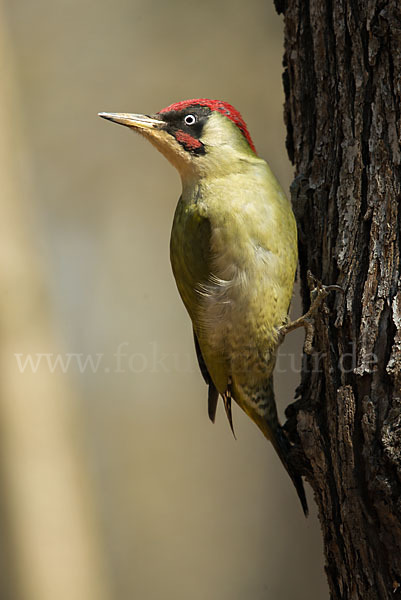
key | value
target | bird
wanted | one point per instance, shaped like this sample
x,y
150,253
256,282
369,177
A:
x,y
233,251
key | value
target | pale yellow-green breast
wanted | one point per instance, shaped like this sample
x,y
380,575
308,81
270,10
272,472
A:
x,y
234,254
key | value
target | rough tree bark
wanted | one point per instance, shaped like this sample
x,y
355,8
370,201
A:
x,y
342,82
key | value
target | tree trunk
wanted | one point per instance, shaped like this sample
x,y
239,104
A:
x,y
342,82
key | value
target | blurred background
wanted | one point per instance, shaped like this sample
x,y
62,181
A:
x,y
114,484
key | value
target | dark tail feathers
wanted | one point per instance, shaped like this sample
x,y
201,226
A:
x,y
283,448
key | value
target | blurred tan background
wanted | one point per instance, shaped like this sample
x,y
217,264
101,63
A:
x,y
114,483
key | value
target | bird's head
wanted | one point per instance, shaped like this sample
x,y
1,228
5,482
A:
x,y
198,137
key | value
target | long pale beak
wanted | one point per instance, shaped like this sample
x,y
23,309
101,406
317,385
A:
x,y
135,121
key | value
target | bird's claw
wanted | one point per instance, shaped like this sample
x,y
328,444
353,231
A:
x,y
318,293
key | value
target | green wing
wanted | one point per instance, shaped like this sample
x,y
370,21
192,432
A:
x,y
190,253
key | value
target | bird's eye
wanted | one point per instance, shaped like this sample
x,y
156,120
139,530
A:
x,y
190,120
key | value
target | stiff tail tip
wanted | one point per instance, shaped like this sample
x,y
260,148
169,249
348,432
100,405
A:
x,y
299,486
283,447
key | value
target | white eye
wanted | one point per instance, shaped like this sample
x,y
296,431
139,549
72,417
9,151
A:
x,y
190,120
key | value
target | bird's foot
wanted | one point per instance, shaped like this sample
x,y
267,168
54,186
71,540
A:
x,y
318,293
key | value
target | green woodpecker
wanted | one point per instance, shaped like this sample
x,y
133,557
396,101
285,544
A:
x,y
233,252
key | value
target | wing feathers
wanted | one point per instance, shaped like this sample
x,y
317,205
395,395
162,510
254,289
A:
x,y
213,394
